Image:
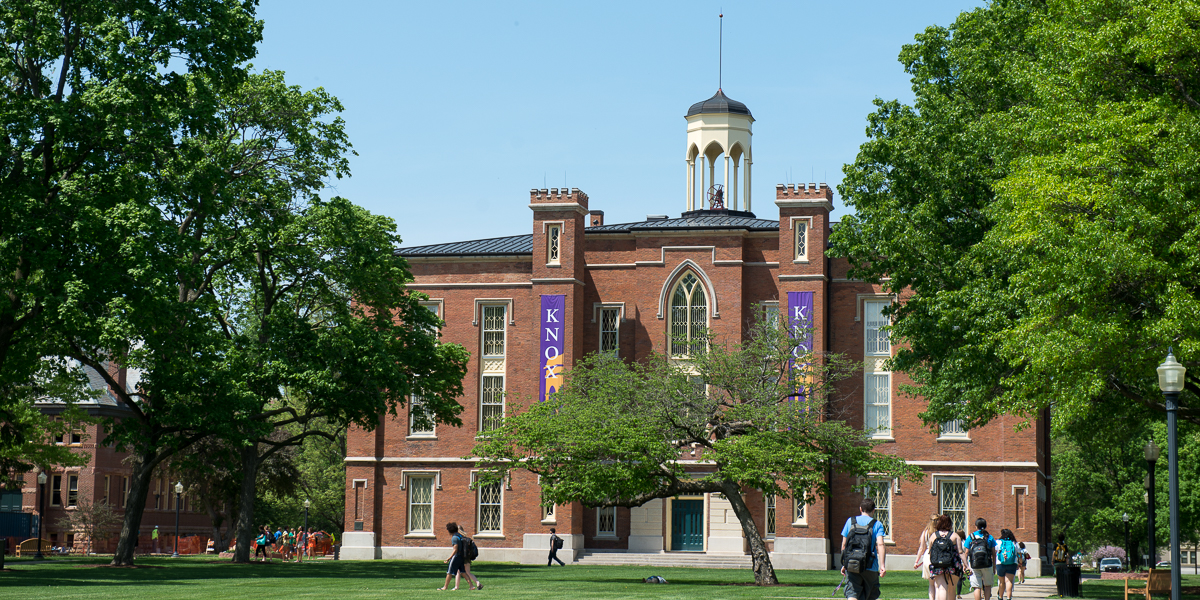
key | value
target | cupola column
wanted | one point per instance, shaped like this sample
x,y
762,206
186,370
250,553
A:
x,y
691,184
748,183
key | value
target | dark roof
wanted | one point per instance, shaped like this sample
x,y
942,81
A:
x,y
523,244
514,244
719,103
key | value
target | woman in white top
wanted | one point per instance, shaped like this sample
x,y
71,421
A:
x,y
923,551
942,577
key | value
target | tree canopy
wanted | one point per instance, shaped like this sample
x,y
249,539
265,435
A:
x,y
1040,201
614,434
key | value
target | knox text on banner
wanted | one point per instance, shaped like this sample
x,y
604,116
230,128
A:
x,y
552,335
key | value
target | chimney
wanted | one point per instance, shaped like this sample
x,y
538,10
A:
x,y
595,218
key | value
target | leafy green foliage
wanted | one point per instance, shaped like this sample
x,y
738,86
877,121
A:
x,y
616,432
1039,203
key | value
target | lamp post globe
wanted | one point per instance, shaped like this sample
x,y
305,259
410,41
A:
x,y
1170,380
178,492
41,479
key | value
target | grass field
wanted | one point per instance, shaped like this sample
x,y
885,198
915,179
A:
x,y
206,577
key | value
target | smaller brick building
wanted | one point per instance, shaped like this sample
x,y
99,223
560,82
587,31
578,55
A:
x,y
103,479
528,306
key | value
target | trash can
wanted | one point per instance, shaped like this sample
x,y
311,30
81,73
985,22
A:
x,y
1067,579
337,552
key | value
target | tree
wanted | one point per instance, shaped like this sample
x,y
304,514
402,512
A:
x,y
614,433
94,92
98,522
1040,202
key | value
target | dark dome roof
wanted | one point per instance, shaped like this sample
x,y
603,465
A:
x,y
719,103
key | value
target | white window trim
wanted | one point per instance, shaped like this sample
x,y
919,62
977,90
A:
x,y
418,435
503,397
605,535
767,533
405,476
771,306
708,298
860,298
440,303
596,306
798,503
796,257
620,318
479,302
893,491
965,436
886,302
552,518
546,227
479,533
877,434
971,491
934,478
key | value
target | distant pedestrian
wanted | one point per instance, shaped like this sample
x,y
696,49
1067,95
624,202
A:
x,y
555,543
863,553
1008,561
981,553
262,541
947,558
923,551
457,560
1061,558
1024,561
154,537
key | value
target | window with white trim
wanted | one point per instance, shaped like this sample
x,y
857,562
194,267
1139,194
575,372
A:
x,y
880,490
436,309
493,329
875,330
689,317
491,403
952,429
56,490
770,314
770,518
420,421
548,513
801,228
606,521
72,490
553,244
420,504
952,502
610,325
799,511
490,497
878,397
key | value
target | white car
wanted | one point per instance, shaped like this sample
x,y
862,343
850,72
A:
x,y
1110,564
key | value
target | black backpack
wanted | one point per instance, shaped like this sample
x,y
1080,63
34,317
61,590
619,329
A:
x,y
860,544
978,551
942,552
469,550
558,543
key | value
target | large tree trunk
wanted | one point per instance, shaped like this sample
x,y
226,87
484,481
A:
x,y
245,520
218,518
135,505
764,571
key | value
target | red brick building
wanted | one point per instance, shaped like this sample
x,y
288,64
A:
x,y
631,288
103,479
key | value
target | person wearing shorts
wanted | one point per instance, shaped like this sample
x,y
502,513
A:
x,y
456,561
982,579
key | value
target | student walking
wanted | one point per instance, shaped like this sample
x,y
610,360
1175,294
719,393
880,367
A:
x,y
555,543
1008,560
863,553
1024,561
458,560
923,551
981,554
262,541
962,535
947,558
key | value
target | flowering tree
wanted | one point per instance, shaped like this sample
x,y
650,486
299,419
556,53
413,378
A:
x,y
1109,552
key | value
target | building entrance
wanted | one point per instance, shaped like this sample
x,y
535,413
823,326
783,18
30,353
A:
x,y
687,525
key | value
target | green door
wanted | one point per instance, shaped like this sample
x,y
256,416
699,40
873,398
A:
x,y
687,525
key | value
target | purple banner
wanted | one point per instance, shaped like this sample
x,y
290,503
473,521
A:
x,y
551,357
800,325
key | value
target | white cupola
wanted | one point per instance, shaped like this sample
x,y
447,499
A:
x,y
718,135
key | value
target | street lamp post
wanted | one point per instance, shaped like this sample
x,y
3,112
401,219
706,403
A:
x,y
1128,557
304,547
1170,381
1151,455
41,479
178,491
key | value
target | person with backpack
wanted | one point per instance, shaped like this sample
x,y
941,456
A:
x,y
262,541
556,543
947,558
1061,558
459,558
981,558
1008,561
863,553
923,552
1024,561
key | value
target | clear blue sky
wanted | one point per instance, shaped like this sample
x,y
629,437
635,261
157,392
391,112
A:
x,y
457,109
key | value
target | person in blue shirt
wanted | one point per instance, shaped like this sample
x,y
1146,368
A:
x,y
982,576
865,585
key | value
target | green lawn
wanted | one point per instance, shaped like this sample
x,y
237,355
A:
x,y
159,578
1111,589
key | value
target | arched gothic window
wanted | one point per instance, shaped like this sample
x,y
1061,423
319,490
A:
x,y
689,316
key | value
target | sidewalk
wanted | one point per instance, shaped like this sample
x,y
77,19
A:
x,y
1038,587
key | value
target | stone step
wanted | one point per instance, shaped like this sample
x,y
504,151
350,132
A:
x,y
665,559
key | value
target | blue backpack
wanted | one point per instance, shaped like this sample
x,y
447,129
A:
x,y
1007,552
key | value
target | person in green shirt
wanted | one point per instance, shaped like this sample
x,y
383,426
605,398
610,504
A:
x,y
154,536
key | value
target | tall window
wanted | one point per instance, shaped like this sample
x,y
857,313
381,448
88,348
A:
x,y
553,244
606,521
493,330
548,513
799,512
491,403
878,405
801,239
876,334
880,490
72,490
124,491
770,524
360,494
953,429
609,324
489,508
56,490
420,422
108,490
689,316
952,502
420,504
158,493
